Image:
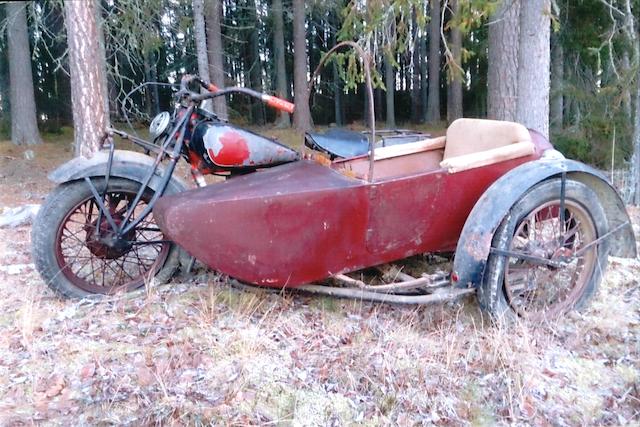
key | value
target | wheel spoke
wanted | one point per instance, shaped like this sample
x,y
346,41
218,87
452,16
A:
x,y
540,290
95,267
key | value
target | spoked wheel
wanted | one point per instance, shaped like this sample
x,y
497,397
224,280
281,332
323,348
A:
x,y
554,263
77,252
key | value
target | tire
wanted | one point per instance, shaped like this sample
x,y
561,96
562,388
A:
x,y
76,266
516,288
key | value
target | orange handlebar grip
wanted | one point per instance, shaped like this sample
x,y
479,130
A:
x,y
279,103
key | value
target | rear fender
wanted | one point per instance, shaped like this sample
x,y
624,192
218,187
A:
x,y
489,211
126,164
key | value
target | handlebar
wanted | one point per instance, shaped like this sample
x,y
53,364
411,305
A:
x,y
214,91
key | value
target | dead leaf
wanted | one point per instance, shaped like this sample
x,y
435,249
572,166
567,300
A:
x,y
144,375
88,370
527,407
55,386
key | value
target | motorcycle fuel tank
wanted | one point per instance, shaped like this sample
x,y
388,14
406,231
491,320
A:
x,y
228,147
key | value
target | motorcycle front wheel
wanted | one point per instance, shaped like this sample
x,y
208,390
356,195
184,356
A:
x,y
68,241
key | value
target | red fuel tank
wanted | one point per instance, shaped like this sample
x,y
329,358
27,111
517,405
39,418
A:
x,y
230,148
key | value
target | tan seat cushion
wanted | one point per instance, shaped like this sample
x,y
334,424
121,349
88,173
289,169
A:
x,y
487,157
465,136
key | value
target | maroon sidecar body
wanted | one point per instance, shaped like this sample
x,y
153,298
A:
x,y
303,221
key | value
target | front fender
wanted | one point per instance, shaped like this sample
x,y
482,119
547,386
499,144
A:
x,y
126,164
487,214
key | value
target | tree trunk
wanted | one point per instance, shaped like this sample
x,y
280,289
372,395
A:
x,y
337,80
454,110
390,84
102,58
415,75
504,35
424,82
215,51
4,81
24,124
89,115
533,65
201,40
635,167
302,115
283,120
433,106
337,94
557,80
255,64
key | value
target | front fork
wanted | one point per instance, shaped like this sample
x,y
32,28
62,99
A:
x,y
119,230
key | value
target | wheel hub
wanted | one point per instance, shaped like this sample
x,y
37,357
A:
x,y
108,245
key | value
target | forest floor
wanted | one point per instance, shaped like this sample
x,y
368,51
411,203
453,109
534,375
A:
x,y
205,352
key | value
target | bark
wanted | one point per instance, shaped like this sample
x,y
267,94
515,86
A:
x,y
24,124
504,34
89,115
390,84
533,65
415,75
337,80
255,64
626,93
215,53
102,58
201,40
337,95
424,82
283,120
433,105
4,81
557,80
635,167
150,95
454,110
302,115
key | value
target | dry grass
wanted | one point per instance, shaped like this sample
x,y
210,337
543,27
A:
x,y
205,353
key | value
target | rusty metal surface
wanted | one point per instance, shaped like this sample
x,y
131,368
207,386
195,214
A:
x,y
230,147
443,295
304,222
126,164
475,239
290,225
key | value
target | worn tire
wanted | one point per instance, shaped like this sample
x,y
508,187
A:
x,y
492,294
60,202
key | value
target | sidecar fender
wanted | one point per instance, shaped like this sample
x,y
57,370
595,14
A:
x,y
126,164
475,240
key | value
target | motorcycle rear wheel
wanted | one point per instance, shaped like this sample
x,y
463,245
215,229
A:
x,y
75,264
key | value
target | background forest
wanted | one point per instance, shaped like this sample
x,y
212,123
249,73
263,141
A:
x,y
566,68
201,352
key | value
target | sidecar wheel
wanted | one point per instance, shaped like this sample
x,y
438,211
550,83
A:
x,y
76,265
514,287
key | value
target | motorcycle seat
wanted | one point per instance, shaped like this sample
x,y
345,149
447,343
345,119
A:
x,y
345,143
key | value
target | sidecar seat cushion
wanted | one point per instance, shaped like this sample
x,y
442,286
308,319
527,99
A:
x,y
473,143
466,136
488,157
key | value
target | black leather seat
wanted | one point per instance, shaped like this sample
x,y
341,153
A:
x,y
345,143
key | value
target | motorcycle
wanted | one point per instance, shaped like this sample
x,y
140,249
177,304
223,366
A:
x,y
529,230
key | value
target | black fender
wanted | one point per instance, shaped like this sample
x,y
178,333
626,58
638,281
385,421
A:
x,y
126,164
487,214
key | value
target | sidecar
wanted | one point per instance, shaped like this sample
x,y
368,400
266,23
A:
x,y
518,217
